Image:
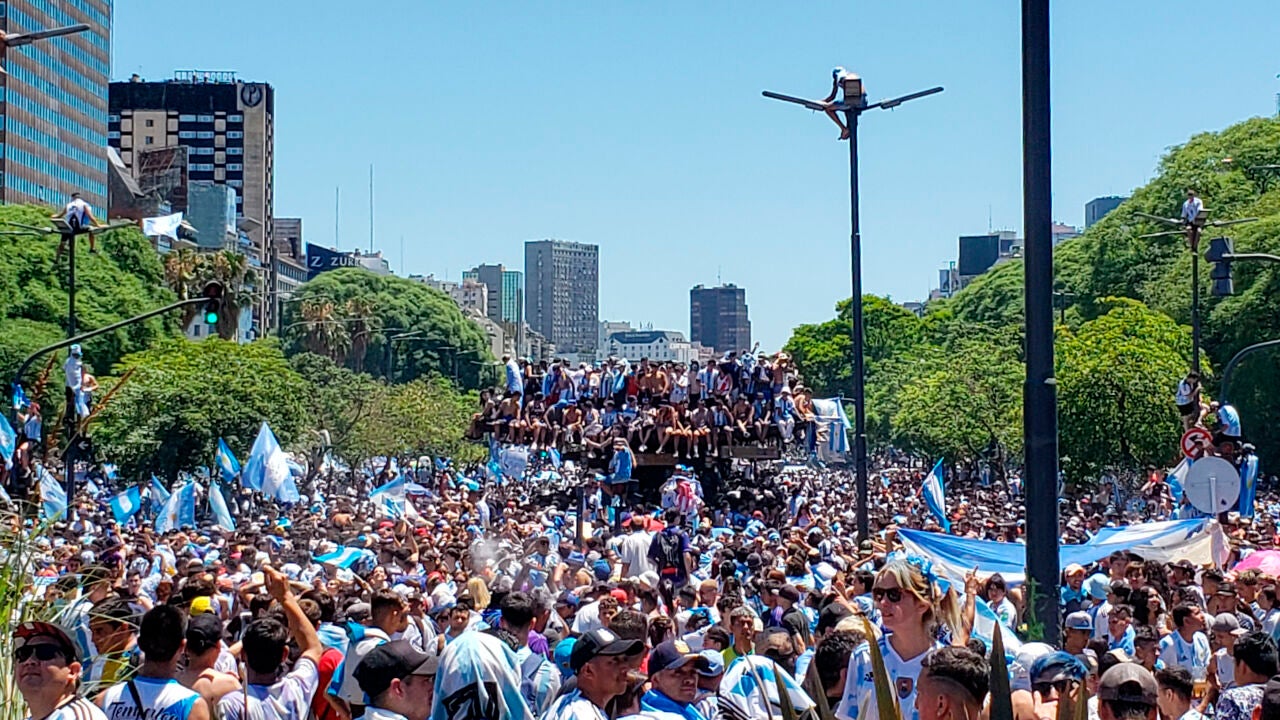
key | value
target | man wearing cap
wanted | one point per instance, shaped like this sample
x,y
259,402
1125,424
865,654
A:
x,y
1127,691
1071,595
1225,628
709,683
399,681
602,663
114,627
793,618
673,676
1256,662
46,670
1077,629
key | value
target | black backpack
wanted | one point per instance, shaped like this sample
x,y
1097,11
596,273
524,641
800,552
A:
x,y
669,544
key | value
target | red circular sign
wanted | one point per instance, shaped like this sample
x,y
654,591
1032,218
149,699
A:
x,y
1194,442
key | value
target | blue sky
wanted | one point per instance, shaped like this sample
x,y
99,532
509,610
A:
x,y
640,127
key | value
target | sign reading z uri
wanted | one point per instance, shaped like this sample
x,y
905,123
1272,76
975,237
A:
x,y
320,259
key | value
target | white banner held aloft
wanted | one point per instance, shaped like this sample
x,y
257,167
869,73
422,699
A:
x,y
165,225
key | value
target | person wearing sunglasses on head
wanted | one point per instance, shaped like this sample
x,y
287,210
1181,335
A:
x,y
47,673
913,611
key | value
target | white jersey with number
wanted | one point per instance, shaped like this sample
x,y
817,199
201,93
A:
x,y
858,702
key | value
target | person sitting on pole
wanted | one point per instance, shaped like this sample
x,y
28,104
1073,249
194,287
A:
x,y
837,76
79,216
1187,399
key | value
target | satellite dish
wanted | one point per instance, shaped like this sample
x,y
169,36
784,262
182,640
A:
x,y
1212,485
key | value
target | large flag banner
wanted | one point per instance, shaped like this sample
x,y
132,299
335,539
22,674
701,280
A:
x,y
126,504
53,497
8,441
935,497
513,460
161,494
830,438
179,509
218,505
344,557
1248,485
391,498
267,469
163,226
226,461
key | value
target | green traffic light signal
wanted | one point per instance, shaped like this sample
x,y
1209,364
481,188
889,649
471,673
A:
x,y
211,318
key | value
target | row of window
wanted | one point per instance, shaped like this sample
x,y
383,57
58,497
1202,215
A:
x,y
208,167
61,69
54,170
43,112
62,147
212,151
208,135
185,118
57,94
65,45
61,18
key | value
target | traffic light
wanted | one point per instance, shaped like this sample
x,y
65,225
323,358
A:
x,y
212,302
1218,253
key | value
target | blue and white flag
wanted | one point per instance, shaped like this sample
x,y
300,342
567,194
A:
x,y
162,226
750,688
391,498
267,469
53,497
218,505
935,497
227,462
344,557
985,622
20,399
159,494
1176,477
1248,485
513,461
8,441
179,509
125,505
554,454
110,471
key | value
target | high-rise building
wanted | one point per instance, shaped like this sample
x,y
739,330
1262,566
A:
x,y
228,129
505,296
1097,208
718,317
290,259
562,294
56,104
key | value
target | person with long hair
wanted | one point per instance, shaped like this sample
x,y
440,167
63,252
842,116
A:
x,y
914,613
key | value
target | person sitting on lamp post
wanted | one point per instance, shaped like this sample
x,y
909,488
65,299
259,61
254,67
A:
x,y
1191,208
837,77
79,215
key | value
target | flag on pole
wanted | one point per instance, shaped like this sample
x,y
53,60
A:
x,y
179,509
1248,485
391,498
935,497
53,497
8,441
218,505
226,461
162,226
125,505
267,468
159,495
20,399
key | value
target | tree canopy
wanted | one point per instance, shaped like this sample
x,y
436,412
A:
x,y
394,328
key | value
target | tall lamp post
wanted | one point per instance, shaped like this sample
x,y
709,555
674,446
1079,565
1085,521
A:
x,y
853,104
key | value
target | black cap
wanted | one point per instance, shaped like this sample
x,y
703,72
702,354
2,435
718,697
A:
x,y
601,642
1128,682
674,654
204,631
397,659
831,616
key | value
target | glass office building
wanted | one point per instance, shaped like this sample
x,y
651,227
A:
x,y
54,139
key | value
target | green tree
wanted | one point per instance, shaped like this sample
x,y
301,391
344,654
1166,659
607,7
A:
x,y
184,395
338,399
1116,377
423,417
350,314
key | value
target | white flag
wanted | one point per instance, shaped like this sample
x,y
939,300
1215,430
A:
x,y
165,225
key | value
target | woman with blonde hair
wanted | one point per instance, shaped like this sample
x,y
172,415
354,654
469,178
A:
x,y
915,613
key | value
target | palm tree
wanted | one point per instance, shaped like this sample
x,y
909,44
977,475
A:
x,y
359,315
181,271
324,333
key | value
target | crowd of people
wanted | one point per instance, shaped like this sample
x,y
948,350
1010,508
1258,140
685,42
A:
x,y
661,407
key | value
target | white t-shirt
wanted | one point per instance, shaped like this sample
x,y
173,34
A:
x,y
75,709
1226,668
1194,655
288,699
634,551
73,368
859,688
574,706
587,618
77,212
163,699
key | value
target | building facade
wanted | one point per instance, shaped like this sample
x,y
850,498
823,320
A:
x,y
718,318
562,294
505,297
55,132
1097,208
656,345
290,260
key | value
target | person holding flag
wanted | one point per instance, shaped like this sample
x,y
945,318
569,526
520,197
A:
x,y
935,497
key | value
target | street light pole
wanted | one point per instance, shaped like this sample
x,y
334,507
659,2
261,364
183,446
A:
x,y
853,105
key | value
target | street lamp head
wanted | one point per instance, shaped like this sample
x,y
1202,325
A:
x,y
854,93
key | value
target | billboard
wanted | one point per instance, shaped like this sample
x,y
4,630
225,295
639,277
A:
x,y
321,259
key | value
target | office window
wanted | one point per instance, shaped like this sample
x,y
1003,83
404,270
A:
x,y
235,166
235,135
150,122
236,183
187,135
235,118
186,118
113,118
205,135
235,151
204,118
149,140
114,134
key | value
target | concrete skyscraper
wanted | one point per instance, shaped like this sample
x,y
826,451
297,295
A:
x,y
504,303
1097,208
562,294
55,104
718,318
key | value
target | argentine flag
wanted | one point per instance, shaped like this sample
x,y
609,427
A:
x,y
1248,485
1176,477
179,509
218,505
126,504
226,461
267,469
344,557
53,497
391,498
934,496
8,441
20,399
161,495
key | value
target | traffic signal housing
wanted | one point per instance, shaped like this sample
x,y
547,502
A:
x,y
1219,254
212,302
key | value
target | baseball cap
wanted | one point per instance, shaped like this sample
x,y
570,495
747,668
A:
x,y
28,631
1128,682
397,659
201,605
789,592
602,642
1073,569
674,654
715,663
204,631
1227,623
563,651
1079,621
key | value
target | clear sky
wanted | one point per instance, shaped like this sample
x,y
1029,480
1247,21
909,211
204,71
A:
x,y
639,126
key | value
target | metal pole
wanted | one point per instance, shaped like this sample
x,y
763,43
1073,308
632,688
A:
x,y
70,239
859,386
69,414
1235,360
1195,307
1040,421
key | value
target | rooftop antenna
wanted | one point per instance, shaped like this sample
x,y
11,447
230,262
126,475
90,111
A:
x,y
988,218
337,195
718,281
370,208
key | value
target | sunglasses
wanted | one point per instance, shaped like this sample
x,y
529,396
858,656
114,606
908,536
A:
x,y
43,653
893,595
